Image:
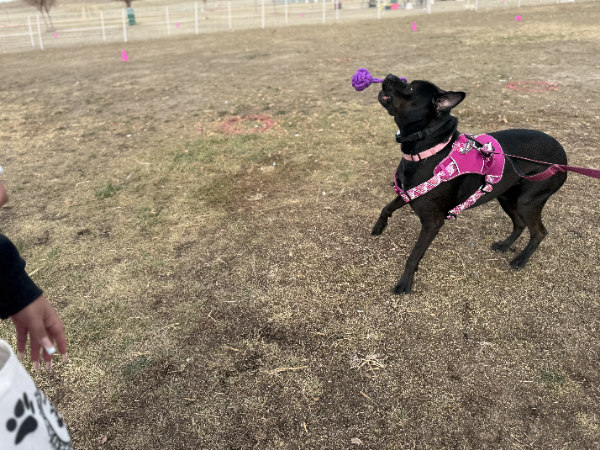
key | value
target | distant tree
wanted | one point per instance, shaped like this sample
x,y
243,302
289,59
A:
x,y
127,2
41,6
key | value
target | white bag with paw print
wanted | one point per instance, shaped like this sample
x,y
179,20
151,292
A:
x,y
28,421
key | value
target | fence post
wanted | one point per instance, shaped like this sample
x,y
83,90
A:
x,y
30,32
124,28
378,10
39,32
263,13
337,10
323,11
286,19
519,4
168,24
196,16
102,23
476,4
229,12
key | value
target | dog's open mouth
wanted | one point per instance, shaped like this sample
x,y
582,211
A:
x,y
384,99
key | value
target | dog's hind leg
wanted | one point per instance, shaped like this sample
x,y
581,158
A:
x,y
532,216
530,203
386,213
429,230
509,205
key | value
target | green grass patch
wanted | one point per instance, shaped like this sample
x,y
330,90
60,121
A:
x,y
346,175
20,244
219,192
552,377
54,252
136,367
107,191
149,216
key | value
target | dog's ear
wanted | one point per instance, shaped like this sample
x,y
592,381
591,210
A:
x,y
448,100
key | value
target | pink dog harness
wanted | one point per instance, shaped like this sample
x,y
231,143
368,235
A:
x,y
470,154
480,155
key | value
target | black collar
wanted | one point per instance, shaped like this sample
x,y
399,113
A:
x,y
423,133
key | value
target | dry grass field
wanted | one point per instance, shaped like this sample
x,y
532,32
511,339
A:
x,y
218,280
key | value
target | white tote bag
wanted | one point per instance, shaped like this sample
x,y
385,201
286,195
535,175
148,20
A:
x,y
28,421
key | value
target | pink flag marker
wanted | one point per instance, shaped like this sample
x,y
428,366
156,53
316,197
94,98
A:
x,y
518,18
414,27
55,35
302,15
124,56
177,25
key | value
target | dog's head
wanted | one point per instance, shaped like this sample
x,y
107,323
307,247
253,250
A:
x,y
414,105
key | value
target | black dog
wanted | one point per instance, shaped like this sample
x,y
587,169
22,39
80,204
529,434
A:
x,y
422,106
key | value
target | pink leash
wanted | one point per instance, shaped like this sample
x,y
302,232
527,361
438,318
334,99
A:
x,y
554,168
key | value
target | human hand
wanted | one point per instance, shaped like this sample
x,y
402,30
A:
x,y
40,320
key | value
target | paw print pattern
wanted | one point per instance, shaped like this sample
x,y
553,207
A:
x,y
28,425
54,424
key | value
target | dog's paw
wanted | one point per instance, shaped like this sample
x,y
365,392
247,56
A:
x,y
378,229
403,287
519,262
499,246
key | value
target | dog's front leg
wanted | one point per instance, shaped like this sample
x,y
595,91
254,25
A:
x,y
386,213
429,230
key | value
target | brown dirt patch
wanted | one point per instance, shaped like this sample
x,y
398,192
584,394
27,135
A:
x,y
533,86
247,124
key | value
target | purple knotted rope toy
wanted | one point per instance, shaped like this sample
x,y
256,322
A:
x,y
362,79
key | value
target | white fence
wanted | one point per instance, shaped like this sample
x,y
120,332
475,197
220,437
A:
x,y
24,30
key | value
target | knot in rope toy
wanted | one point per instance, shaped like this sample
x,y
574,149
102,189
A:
x,y
362,79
